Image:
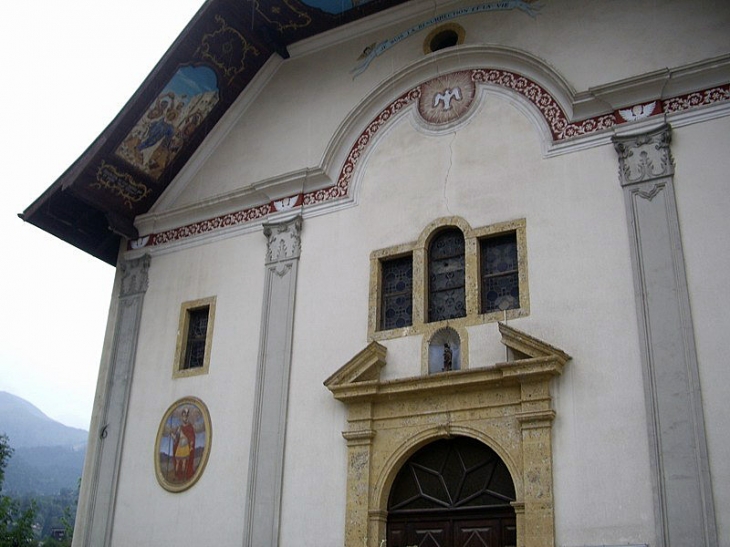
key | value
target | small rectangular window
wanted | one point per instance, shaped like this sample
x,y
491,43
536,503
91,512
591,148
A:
x,y
194,336
396,305
195,343
500,287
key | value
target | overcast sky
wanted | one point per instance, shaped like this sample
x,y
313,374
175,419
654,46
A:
x,y
68,68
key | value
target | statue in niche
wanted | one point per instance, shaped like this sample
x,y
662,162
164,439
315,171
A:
x,y
447,357
444,351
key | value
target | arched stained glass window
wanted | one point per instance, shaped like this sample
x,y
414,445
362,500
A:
x,y
446,279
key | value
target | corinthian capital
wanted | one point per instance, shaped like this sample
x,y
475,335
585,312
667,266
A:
x,y
283,240
645,157
134,276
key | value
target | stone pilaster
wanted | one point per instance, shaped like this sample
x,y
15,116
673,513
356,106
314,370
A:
x,y
105,447
272,384
683,501
536,421
359,447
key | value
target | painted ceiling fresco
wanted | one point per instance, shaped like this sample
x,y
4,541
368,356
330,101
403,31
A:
x,y
170,121
121,175
334,6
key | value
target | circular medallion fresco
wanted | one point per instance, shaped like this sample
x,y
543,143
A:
x,y
183,444
446,98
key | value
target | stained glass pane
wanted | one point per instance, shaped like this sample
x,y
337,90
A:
x,y
499,271
196,354
397,293
195,344
446,287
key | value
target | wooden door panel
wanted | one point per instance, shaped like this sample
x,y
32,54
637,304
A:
x,y
509,533
476,533
430,534
397,535
424,530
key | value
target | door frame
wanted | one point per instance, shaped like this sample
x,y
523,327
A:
x,y
506,406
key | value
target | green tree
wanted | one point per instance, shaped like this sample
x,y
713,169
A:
x,y
16,525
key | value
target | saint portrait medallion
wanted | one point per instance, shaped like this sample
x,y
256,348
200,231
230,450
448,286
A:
x,y
183,444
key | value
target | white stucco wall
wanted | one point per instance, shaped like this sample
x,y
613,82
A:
x,y
490,169
147,515
581,300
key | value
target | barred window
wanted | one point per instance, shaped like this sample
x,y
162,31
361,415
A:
x,y
397,292
500,285
194,337
195,343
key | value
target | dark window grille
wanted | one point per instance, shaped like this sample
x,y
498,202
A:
x,y
446,280
500,275
397,293
195,341
452,473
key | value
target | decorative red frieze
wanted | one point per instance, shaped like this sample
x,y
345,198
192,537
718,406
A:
x,y
435,107
205,226
560,128
698,98
363,141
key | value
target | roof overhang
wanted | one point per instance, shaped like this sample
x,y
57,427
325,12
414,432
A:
x,y
125,170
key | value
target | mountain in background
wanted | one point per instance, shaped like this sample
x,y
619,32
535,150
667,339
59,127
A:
x,y
48,456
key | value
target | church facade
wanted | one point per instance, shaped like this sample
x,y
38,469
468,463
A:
x,y
437,274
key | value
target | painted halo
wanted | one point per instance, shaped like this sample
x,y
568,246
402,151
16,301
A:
x,y
183,444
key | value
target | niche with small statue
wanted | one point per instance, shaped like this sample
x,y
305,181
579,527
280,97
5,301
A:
x,y
444,351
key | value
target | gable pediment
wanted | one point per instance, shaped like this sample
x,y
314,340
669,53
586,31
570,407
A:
x,y
361,373
359,378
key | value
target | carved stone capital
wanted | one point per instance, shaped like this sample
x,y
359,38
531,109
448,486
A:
x,y
134,276
359,438
645,157
283,240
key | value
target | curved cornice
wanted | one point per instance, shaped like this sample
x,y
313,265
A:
x,y
432,66
527,81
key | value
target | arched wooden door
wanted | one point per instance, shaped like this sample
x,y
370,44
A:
x,y
452,493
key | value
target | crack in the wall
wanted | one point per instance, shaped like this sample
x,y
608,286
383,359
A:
x,y
448,171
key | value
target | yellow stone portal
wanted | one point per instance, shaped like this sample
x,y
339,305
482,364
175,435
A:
x,y
507,406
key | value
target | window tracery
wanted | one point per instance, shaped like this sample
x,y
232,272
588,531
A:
x,y
453,275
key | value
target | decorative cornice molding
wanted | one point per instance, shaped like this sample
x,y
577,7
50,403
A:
x,y
556,113
645,157
536,419
134,276
359,379
365,366
283,241
359,438
529,345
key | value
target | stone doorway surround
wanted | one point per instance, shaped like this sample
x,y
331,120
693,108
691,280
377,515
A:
x,y
507,406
